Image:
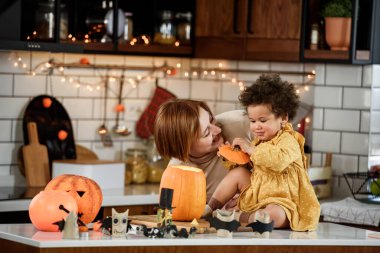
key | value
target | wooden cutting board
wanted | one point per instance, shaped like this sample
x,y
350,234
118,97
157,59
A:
x,y
151,221
36,160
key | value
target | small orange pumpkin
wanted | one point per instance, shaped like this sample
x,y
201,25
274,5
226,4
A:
x,y
46,102
234,155
62,135
189,196
47,208
85,191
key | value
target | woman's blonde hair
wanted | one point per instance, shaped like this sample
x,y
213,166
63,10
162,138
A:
x,y
177,126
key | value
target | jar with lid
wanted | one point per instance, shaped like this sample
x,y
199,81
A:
x,y
45,15
128,26
184,27
157,163
165,29
136,164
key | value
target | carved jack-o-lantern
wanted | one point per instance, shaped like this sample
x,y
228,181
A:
x,y
48,208
85,191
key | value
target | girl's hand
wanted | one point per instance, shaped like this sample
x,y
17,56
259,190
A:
x,y
244,145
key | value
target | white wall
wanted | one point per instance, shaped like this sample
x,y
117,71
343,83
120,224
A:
x,y
340,94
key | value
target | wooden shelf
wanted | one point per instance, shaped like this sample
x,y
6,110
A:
x,y
326,55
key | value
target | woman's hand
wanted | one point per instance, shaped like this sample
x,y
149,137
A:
x,y
244,145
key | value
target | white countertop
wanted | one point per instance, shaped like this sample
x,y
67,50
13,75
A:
x,y
134,194
328,234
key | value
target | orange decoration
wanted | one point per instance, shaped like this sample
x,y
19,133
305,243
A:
x,y
46,102
189,196
172,72
44,209
62,135
119,108
96,226
84,60
85,191
234,155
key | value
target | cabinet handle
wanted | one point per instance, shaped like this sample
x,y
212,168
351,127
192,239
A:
x,y
236,13
249,17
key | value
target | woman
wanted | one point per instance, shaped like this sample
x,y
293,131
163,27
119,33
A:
x,y
186,131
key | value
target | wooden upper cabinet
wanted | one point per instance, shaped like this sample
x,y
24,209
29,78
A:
x,y
248,29
274,19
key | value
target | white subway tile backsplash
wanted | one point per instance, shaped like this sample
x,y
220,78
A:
x,y
345,75
134,108
208,90
79,108
90,87
6,130
230,91
376,76
344,164
7,60
316,159
328,96
25,85
12,107
365,117
325,141
307,94
375,100
180,88
281,66
6,85
145,89
102,59
17,131
88,130
254,65
375,122
355,143
344,120
357,98
4,170
8,153
62,88
367,76
223,107
141,61
363,164
320,70
221,64
317,118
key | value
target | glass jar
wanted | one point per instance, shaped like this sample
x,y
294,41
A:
x,y
157,164
137,164
165,30
45,16
128,26
184,27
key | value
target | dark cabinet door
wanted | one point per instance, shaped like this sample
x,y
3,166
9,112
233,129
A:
x,y
219,29
273,30
248,29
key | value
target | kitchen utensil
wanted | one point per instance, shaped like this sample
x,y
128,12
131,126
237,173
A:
x,y
51,119
103,132
118,128
36,160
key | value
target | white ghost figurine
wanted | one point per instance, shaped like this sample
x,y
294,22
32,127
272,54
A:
x,y
119,223
70,229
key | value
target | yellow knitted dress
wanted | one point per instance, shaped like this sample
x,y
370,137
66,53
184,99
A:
x,y
279,177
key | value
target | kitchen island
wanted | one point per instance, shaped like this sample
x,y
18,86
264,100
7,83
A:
x,y
328,238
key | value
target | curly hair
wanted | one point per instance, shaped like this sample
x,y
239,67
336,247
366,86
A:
x,y
271,90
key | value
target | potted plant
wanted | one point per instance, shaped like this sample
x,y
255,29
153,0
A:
x,y
337,14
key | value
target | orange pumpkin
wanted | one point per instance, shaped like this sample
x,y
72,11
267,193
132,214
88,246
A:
x,y
62,135
46,102
44,209
189,196
234,155
85,191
